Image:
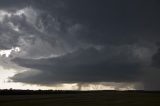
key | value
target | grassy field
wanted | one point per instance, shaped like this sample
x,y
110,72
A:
x,y
101,98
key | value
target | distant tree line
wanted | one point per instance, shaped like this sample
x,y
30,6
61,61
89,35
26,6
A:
x,y
36,92
44,92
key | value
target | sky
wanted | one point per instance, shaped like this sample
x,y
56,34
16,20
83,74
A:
x,y
80,44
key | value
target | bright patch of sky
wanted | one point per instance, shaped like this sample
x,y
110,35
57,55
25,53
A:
x,y
8,52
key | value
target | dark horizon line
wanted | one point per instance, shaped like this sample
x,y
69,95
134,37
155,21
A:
x,y
11,89
36,92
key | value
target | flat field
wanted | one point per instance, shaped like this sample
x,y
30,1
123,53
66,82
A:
x,y
94,98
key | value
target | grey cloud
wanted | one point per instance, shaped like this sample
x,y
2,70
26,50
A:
x,y
152,72
85,41
88,65
117,22
37,28
156,59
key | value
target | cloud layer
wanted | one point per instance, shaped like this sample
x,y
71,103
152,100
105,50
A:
x,y
82,41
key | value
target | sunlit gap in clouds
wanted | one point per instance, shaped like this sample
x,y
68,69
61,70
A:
x,y
8,52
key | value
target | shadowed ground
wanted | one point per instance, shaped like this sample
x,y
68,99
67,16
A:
x,y
95,98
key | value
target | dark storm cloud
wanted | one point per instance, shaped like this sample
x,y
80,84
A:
x,y
96,41
153,73
88,65
117,22
156,59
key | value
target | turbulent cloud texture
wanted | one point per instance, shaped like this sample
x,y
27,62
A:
x,y
82,42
